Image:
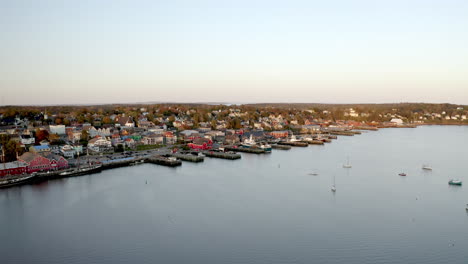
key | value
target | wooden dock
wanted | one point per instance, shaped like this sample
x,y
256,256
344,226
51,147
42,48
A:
x,y
342,133
222,155
188,157
282,147
366,128
165,161
246,150
294,144
315,142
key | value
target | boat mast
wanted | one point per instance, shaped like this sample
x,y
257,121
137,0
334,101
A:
x,y
3,158
78,160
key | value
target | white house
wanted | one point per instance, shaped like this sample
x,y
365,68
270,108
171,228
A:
x,y
99,144
67,151
397,121
57,129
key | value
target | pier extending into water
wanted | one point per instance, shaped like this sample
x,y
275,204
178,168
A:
x,y
294,143
246,150
221,155
281,147
165,161
188,157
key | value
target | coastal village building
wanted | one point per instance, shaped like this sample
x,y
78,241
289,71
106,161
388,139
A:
x,y
169,138
57,129
125,121
13,168
36,162
129,143
103,132
40,149
397,121
67,151
99,144
201,144
232,139
279,134
27,139
153,139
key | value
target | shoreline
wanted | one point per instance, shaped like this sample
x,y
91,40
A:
x,y
162,156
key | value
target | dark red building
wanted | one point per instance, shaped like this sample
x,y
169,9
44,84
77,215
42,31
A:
x,y
36,162
13,168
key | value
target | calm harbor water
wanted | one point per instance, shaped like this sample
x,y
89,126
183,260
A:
x,y
260,209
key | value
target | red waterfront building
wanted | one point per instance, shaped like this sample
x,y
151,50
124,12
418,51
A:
x,y
201,143
13,168
46,162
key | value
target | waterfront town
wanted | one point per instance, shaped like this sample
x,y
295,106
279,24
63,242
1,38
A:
x,y
60,141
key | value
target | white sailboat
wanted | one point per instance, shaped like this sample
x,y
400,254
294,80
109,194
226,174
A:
x,y
333,188
347,165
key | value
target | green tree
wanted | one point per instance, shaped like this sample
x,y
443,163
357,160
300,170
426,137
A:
x,y
84,137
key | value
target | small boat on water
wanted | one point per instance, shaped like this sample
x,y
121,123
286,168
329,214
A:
x,y
17,180
455,182
426,167
333,188
402,174
347,165
466,207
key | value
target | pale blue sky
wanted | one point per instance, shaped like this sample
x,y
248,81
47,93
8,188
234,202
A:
x,y
369,51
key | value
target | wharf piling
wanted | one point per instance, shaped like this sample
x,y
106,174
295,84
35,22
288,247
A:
x,y
315,142
282,147
165,161
222,155
366,128
246,150
342,133
122,162
294,143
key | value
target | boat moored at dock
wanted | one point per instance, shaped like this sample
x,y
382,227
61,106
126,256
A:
x,y
81,171
17,180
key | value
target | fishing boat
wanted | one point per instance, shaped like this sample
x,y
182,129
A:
x,y
402,174
294,138
266,147
347,165
455,182
250,143
17,180
426,167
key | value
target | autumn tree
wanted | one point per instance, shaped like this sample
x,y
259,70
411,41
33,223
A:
x,y
41,134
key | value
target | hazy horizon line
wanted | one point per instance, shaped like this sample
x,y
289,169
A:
x,y
218,103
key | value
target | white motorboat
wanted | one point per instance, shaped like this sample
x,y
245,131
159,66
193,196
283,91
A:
x,y
347,165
